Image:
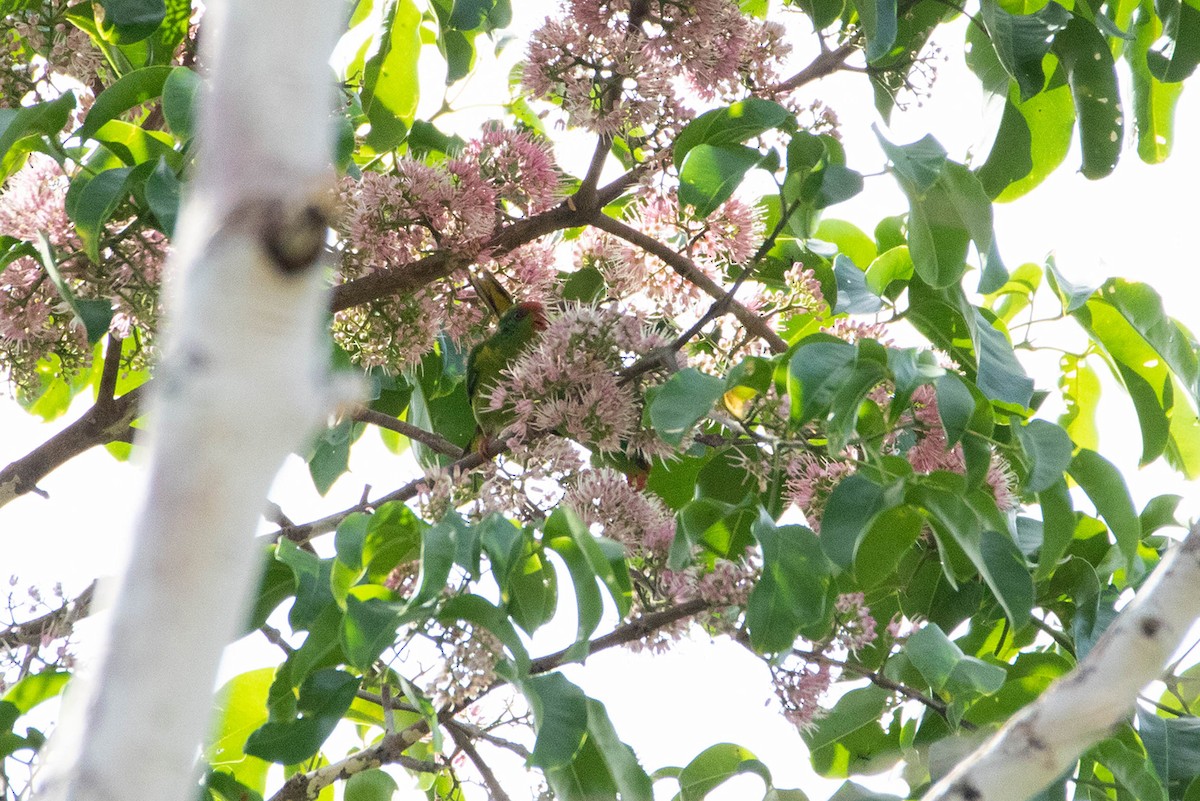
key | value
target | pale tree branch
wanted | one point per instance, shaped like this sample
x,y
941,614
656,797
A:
x,y
1042,741
243,333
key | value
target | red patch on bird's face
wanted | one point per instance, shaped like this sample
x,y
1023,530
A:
x,y
537,312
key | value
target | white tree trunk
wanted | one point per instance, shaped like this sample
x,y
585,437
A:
x,y
1037,745
241,384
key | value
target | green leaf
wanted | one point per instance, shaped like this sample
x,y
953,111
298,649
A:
x,y
1173,745
894,264
1001,377
240,708
1142,308
324,698
852,507
1022,41
956,407
1058,526
1048,449
369,625
1153,101
588,602
919,165
711,173
481,613
878,19
390,84
313,592
628,774
129,91
1007,575
128,21
180,94
95,315
394,536
605,558
370,785
163,192
795,589
816,372
938,659
1080,388
1130,769
1092,77
348,567
714,766
40,119
682,401
853,296
1106,488
731,125
560,714
439,546
35,689
854,710
1175,55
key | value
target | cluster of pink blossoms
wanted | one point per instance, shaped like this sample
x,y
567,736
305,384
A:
x,y
35,321
856,626
569,383
811,480
930,453
726,237
619,66
393,219
799,690
638,521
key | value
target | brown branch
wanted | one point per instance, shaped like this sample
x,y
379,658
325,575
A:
x,y
306,531
53,623
635,629
407,278
826,63
688,270
112,367
494,788
434,442
104,422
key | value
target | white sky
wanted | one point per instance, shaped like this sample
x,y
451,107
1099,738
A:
x,y
1138,224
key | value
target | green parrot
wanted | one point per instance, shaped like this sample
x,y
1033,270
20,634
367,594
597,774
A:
x,y
518,328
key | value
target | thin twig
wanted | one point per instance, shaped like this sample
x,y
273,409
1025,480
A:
x,y
494,788
434,442
688,270
826,63
60,620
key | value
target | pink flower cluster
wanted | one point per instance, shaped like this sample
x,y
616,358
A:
x,y
727,237
856,626
393,219
638,521
569,383
619,66
930,453
799,690
35,321
811,480
726,584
